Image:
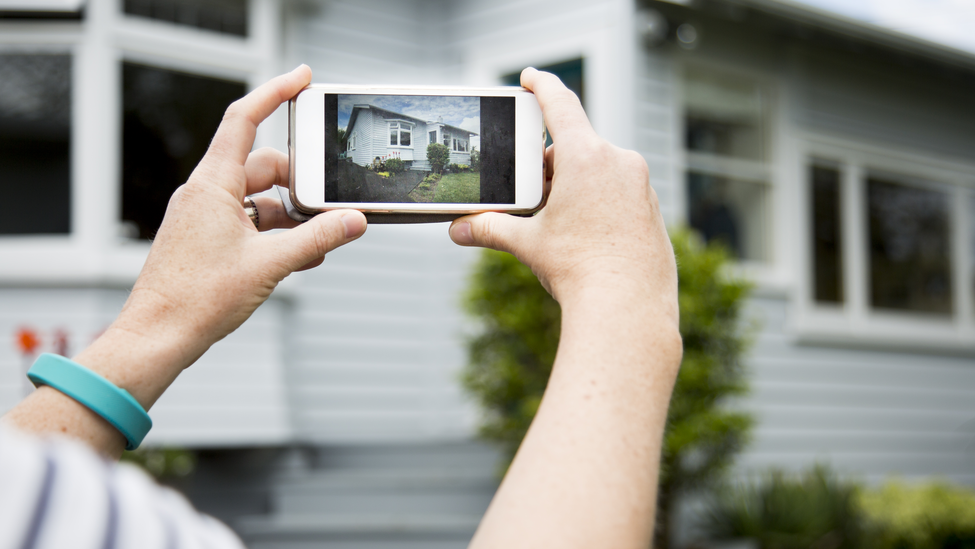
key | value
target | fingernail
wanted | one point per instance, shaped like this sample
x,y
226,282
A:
x,y
354,225
461,234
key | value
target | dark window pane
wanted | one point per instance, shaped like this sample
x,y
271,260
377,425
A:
x,y
35,143
569,72
168,120
729,211
226,16
910,265
827,236
405,137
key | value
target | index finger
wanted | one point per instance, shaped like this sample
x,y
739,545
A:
x,y
235,136
561,109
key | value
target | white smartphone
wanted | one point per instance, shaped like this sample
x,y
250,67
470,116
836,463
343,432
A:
x,y
416,153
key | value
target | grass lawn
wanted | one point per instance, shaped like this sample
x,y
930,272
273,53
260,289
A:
x,y
459,187
451,188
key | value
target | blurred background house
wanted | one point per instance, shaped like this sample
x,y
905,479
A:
x,y
833,157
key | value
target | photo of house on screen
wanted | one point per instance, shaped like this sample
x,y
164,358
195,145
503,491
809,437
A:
x,y
378,128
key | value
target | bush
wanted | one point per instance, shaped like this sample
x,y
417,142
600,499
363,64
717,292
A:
x,y
395,165
475,160
457,168
437,155
510,362
925,516
812,510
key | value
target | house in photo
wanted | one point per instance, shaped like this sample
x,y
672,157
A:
x,y
376,133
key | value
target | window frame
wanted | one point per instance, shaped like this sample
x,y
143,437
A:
x,y
99,43
772,275
855,320
399,133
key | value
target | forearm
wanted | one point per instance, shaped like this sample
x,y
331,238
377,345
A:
x,y
145,365
586,473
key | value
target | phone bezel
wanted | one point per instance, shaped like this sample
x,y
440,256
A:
x,y
307,176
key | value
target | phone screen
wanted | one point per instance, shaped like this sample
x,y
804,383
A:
x,y
419,148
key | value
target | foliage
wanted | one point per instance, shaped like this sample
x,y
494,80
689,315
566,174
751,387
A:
x,y
925,516
395,165
511,359
813,510
457,168
438,155
382,174
341,139
162,462
703,435
378,165
475,160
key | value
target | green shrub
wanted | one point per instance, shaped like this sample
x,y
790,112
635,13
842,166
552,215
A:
x,y
475,160
395,165
813,510
457,168
162,463
510,362
924,516
437,155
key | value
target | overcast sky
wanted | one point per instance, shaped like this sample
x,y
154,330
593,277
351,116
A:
x,y
950,22
462,112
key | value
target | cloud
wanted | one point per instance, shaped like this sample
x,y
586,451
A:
x,y
454,110
472,124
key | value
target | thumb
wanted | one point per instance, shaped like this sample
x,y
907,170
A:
x,y
321,234
497,231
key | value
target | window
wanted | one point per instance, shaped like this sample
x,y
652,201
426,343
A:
x,y
446,138
726,143
225,16
433,137
890,246
351,143
910,264
460,145
168,120
35,143
827,236
400,134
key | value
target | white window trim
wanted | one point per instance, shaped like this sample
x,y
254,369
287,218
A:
x,y
94,253
351,146
399,133
774,276
854,322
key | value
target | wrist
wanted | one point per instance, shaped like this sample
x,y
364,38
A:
x,y
142,359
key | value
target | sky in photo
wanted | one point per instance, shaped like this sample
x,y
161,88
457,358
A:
x,y
462,112
947,22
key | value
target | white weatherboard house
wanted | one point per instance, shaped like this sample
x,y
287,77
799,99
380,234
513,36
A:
x,y
376,133
334,416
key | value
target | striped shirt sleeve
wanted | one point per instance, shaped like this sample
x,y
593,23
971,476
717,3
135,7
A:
x,y
57,493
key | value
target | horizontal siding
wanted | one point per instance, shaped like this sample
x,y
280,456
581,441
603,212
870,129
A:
x,y
378,340
869,413
880,103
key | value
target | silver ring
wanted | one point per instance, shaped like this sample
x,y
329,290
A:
x,y
251,212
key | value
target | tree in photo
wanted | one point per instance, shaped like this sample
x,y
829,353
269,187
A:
x,y
438,155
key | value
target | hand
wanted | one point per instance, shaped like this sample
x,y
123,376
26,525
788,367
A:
x,y
586,473
207,271
601,225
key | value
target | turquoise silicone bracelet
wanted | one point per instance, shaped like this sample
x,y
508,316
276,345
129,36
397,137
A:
x,y
96,393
